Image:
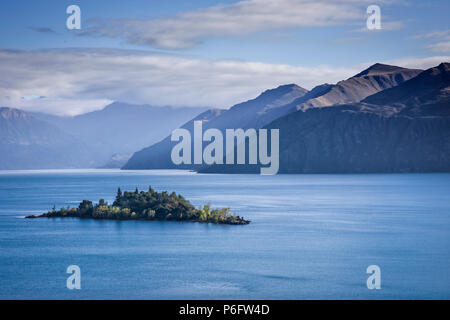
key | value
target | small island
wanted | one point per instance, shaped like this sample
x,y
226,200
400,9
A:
x,y
150,205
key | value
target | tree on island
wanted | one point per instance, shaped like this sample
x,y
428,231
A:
x,y
150,205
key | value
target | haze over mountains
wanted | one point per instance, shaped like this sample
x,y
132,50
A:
x,y
276,103
29,143
243,115
101,138
384,119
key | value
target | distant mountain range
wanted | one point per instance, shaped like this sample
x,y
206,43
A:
x,y
401,129
384,119
29,143
248,114
104,138
275,104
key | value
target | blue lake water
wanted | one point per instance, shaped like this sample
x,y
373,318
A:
x,y
311,237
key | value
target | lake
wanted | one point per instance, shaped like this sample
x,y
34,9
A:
x,y
311,237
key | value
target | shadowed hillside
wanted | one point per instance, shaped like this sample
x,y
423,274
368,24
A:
x,y
250,114
276,103
403,129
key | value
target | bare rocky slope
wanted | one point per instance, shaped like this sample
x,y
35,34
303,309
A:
x,y
402,129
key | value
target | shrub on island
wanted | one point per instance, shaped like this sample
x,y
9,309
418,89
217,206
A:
x,y
147,205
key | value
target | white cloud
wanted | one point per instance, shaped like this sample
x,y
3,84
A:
x,y
440,47
82,80
62,106
443,34
441,40
386,25
192,27
77,81
419,63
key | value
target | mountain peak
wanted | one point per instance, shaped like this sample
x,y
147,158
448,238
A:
x,y
379,69
440,71
430,85
444,67
11,113
116,105
283,89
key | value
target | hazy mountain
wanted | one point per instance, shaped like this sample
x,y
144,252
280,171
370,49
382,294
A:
x,y
253,113
157,156
257,112
29,143
402,129
278,102
121,129
117,160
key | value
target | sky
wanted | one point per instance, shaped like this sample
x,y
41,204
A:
x,y
202,52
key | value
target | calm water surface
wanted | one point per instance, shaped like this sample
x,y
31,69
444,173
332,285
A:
x,y
311,236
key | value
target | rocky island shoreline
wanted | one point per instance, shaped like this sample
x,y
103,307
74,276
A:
x,y
147,205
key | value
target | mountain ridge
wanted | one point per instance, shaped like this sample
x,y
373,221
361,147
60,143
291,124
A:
x,y
122,128
275,103
376,78
29,143
244,115
402,129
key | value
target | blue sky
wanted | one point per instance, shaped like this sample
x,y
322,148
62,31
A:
x,y
225,51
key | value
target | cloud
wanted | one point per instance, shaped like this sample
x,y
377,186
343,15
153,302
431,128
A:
x,y
42,29
190,28
443,34
440,39
419,63
440,47
32,97
385,26
74,81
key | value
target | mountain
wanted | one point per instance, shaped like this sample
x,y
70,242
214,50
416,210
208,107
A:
x,y
157,156
427,94
276,103
253,113
402,129
117,160
374,79
29,143
120,129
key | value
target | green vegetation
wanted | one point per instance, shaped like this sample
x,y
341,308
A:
x,y
150,205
